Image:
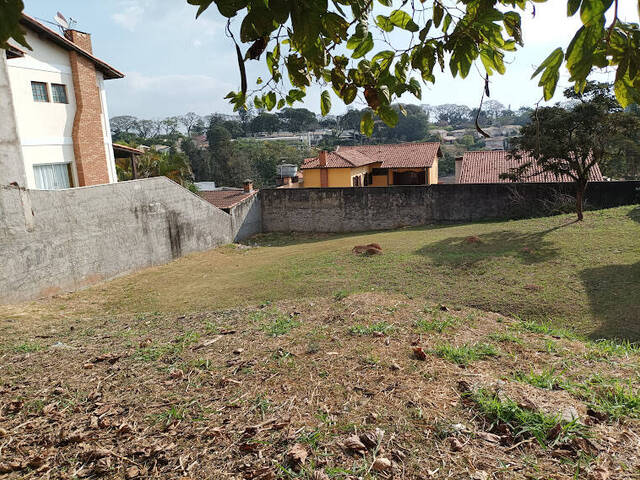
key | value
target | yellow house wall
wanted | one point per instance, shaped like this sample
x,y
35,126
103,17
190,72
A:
x,y
312,178
433,172
380,181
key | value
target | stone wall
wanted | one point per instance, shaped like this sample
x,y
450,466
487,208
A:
x,y
362,209
56,241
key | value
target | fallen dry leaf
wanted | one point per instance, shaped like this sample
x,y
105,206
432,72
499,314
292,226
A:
x,y
419,353
381,464
354,444
297,455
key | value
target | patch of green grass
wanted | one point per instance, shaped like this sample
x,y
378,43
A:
x,y
606,348
613,397
340,295
466,353
28,347
505,337
378,327
547,379
546,328
273,322
438,324
525,423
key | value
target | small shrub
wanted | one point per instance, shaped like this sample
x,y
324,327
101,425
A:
x,y
547,379
610,396
525,423
546,329
274,323
505,337
28,347
606,348
340,295
467,353
439,324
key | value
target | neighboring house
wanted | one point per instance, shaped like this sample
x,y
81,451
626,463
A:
x,y
243,204
225,198
127,157
486,167
374,165
60,107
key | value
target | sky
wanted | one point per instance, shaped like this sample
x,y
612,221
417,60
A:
x,y
176,64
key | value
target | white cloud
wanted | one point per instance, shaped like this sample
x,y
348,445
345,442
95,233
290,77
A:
x,y
130,14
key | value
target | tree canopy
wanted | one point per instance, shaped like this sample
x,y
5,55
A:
x,y
339,45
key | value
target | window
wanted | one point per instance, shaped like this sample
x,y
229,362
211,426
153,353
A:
x,y
52,176
59,93
379,172
40,93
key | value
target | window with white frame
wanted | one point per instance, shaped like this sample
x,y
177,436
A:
x,y
52,176
59,93
40,92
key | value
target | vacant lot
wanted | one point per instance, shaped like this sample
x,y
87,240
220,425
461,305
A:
x,y
297,359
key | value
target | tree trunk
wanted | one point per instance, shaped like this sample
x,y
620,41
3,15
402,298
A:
x,y
580,201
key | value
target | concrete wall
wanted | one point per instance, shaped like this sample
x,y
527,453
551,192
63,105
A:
x,y
55,241
362,209
246,218
11,162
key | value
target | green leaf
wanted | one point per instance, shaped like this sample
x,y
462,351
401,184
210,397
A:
x,y
281,103
10,16
447,22
593,10
402,19
349,94
626,93
551,75
270,100
572,7
384,23
366,124
325,103
385,58
388,115
438,13
364,47
415,88
386,3
334,26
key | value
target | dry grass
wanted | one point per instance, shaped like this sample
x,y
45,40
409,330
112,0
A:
x,y
227,393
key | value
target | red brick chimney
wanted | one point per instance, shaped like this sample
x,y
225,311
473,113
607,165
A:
x,y
323,158
88,136
81,39
248,186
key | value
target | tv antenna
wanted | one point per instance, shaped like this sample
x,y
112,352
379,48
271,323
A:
x,y
63,23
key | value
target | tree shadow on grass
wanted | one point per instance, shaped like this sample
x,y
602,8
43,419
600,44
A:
x,y
634,214
530,247
614,297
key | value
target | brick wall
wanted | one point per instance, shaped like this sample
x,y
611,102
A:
x,y
88,139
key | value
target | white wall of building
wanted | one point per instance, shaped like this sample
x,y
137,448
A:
x,y
45,128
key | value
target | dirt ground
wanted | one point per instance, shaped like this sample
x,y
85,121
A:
x,y
347,387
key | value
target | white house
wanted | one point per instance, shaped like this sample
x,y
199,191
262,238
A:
x,y
60,108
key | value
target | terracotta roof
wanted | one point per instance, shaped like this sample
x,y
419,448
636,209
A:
x,y
107,70
117,147
486,167
226,198
399,155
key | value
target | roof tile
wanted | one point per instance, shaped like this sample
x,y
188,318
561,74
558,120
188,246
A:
x,y
226,198
486,167
400,155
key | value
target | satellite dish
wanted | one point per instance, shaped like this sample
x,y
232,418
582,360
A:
x,y
60,20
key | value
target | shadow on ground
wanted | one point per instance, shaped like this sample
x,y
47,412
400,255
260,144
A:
x,y
634,214
530,247
614,297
